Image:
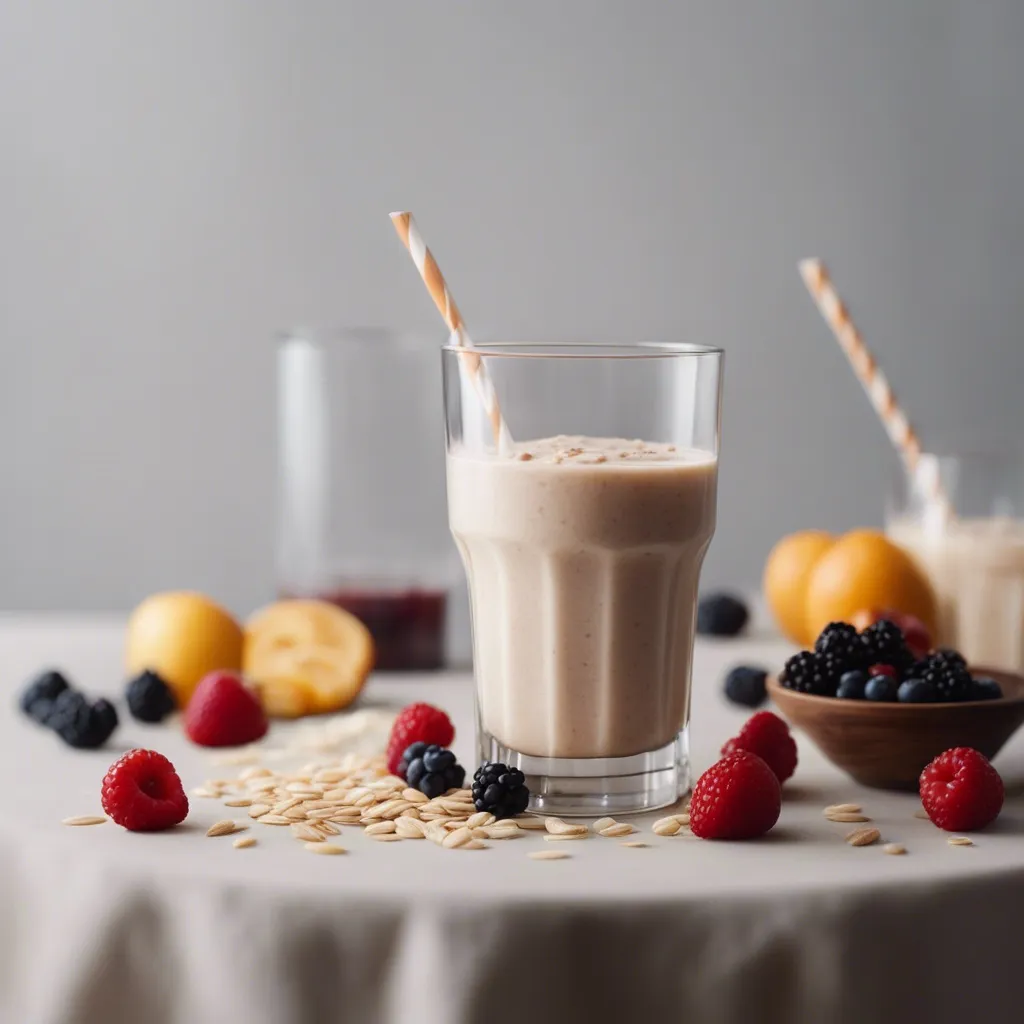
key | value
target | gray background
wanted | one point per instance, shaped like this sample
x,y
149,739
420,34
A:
x,y
178,179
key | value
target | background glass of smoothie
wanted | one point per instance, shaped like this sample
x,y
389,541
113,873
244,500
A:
x,y
974,556
361,505
582,545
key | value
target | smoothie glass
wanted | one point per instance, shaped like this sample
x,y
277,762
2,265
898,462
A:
x,y
582,545
973,557
361,506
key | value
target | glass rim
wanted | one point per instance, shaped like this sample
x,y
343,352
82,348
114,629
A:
x,y
359,334
588,350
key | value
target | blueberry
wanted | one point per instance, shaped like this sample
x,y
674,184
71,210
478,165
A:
x,y
851,685
881,688
917,691
413,751
437,759
149,698
432,784
721,615
415,772
745,685
985,689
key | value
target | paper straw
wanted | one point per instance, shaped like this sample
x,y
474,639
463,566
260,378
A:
x,y
903,436
438,288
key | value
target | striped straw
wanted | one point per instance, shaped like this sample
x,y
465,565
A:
x,y
902,435
438,288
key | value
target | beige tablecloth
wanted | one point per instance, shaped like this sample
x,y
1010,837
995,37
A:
x,y
99,926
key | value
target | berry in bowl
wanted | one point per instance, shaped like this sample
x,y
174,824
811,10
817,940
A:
x,y
881,712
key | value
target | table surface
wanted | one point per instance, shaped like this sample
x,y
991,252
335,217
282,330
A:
x,y
805,856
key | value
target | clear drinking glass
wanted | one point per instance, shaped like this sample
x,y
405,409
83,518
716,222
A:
x,y
974,556
361,518
582,545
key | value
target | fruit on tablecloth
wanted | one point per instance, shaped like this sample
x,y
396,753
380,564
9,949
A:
x,y
37,698
767,736
739,797
500,790
149,698
417,723
306,657
224,712
864,569
182,636
721,615
745,685
961,791
786,574
432,769
142,792
81,723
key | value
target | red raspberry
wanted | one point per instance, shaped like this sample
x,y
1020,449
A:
x,y
883,670
418,723
224,712
142,792
768,736
737,798
961,791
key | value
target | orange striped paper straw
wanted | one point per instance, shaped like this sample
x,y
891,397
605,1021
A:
x,y
902,435
438,288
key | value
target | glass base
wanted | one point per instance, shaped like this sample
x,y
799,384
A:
x,y
598,785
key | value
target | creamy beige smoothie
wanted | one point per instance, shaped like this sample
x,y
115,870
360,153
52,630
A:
x,y
977,569
583,557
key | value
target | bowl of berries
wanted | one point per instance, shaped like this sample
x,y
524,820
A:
x,y
881,708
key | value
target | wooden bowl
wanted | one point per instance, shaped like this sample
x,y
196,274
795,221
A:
x,y
886,745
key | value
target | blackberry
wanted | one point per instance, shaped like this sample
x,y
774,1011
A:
x,y
883,644
745,685
841,641
37,698
500,790
150,699
81,724
721,615
432,770
947,672
810,672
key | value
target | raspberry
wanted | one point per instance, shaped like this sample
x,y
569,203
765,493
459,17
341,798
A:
x,y
224,712
418,723
767,735
737,798
142,792
961,791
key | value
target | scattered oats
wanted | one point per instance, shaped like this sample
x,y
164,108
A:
x,y
548,855
637,845
457,838
202,793
275,819
666,826
244,842
894,848
847,817
414,796
240,802
410,828
84,819
528,821
410,812
325,848
380,828
842,809
480,819
603,823
500,831
286,805
326,828
453,823
557,827
565,837
307,833
473,844
254,773
224,828
620,828
863,836
479,833
960,841
388,837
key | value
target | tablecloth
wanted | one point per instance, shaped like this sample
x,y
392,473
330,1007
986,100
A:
x,y
100,926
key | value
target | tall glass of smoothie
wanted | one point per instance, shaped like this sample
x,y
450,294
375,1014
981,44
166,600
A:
x,y
582,541
972,550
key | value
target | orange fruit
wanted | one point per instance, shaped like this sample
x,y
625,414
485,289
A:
x,y
864,569
182,636
786,574
306,657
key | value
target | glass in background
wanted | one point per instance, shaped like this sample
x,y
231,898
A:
x,y
361,501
